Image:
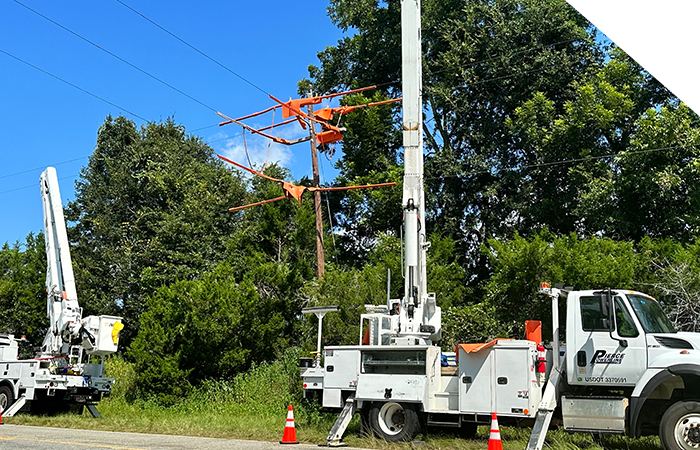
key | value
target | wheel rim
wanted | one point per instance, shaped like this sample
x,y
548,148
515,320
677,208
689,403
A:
x,y
687,431
392,418
3,400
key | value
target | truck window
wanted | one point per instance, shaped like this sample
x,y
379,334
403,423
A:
x,y
623,320
650,314
591,317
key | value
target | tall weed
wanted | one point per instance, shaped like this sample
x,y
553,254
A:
x,y
267,388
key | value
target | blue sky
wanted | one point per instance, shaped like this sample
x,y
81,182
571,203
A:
x,y
44,121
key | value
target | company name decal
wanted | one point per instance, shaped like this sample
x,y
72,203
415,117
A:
x,y
603,357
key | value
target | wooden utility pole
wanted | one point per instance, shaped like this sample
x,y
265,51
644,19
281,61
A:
x,y
320,258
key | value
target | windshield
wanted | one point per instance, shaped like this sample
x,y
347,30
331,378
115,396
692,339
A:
x,y
650,314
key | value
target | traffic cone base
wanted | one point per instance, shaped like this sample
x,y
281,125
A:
x,y
495,436
290,432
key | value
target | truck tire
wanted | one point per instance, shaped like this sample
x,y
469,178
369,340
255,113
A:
x,y
680,426
394,422
7,397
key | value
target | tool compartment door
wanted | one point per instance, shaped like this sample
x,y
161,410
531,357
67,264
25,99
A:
x,y
515,380
475,381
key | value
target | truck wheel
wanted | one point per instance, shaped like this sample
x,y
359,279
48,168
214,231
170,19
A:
x,y
7,397
680,426
393,421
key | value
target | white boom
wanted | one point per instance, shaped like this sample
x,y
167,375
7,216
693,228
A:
x,y
62,306
97,335
419,316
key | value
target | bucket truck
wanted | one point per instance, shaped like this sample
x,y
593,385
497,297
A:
x,y
623,368
68,372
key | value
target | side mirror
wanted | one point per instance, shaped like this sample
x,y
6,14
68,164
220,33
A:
x,y
607,308
604,306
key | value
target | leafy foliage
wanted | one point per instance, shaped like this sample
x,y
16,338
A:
x,y
471,323
23,290
204,329
521,264
126,379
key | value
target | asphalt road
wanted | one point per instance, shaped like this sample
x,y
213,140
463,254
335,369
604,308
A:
x,y
20,437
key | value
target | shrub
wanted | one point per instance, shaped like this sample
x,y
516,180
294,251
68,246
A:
x,y
124,374
205,329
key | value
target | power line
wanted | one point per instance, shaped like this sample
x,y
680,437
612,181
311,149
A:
x,y
71,84
567,161
194,48
42,167
88,92
9,175
34,185
204,128
114,55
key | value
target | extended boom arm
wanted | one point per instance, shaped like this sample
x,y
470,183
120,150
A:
x,y
67,327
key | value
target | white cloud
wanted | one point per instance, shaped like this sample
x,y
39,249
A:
x,y
260,150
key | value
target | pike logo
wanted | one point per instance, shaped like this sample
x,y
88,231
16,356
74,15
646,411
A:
x,y
603,357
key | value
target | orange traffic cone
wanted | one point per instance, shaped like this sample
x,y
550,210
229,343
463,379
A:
x,y
290,433
495,437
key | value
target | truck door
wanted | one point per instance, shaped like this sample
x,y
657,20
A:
x,y
611,354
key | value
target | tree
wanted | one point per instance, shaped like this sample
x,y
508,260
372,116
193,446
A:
x,y
676,283
619,159
150,209
282,232
487,59
23,290
553,189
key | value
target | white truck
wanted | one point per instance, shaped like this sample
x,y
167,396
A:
x,y
68,372
623,369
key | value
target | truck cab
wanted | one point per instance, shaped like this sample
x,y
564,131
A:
x,y
614,335
625,357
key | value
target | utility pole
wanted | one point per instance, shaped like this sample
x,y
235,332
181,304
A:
x,y
317,198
